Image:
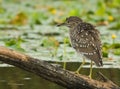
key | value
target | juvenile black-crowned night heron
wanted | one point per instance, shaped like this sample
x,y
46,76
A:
x,y
85,39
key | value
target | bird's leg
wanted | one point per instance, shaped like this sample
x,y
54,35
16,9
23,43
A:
x,y
65,53
80,66
90,75
64,65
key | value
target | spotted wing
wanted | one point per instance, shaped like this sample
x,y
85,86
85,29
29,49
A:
x,y
87,42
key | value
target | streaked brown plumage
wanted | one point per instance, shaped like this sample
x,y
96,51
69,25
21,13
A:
x,y
85,39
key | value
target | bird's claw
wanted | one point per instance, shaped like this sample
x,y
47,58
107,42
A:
x,y
90,76
77,72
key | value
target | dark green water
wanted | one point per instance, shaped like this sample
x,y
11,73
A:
x,y
15,78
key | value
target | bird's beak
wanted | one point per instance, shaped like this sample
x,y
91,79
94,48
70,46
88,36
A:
x,y
61,24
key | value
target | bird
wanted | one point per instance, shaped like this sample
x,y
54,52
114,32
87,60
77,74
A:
x,y
85,39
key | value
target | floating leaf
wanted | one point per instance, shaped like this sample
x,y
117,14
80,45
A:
x,y
101,8
115,46
116,51
74,12
105,54
20,19
15,43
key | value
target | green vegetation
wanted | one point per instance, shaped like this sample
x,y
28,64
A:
x,y
30,26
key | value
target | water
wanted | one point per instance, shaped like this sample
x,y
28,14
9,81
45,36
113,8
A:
x,y
15,78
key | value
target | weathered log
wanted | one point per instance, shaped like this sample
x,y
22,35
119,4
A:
x,y
53,73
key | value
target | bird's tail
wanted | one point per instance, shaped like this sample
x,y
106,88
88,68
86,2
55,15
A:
x,y
99,64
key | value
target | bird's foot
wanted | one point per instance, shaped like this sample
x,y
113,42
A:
x,y
90,76
77,72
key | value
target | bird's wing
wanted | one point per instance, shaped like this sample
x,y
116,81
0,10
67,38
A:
x,y
97,45
87,41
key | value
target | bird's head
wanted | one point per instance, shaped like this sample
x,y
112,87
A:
x,y
71,22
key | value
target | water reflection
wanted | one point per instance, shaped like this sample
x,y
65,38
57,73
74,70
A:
x,y
112,73
15,78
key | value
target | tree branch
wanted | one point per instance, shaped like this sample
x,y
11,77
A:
x,y
52,73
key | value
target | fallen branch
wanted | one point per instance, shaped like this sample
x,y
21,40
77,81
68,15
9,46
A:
x,y
52,73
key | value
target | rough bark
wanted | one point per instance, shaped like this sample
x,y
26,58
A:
x,y
52,73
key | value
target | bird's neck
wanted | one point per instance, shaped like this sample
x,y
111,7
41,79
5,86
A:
x,y
72,31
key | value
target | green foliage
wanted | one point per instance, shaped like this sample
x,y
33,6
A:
x,y
60,57
101,9
115,46
74,12
37,22
15,43
38,17
50,42
2,10
115,26
105,49
19,19
116,51
105,54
